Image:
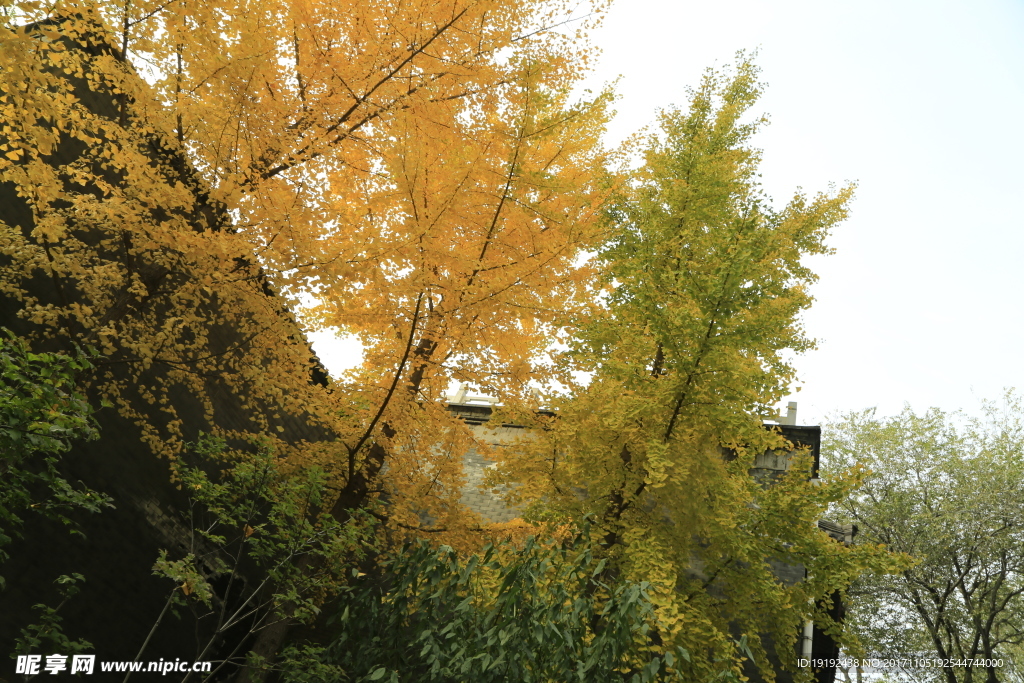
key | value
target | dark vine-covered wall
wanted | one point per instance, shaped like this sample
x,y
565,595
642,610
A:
x,y
121,599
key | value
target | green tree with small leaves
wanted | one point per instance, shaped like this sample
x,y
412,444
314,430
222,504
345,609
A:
x,y
947,490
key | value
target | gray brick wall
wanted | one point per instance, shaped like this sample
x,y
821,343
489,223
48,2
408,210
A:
x,y
475,495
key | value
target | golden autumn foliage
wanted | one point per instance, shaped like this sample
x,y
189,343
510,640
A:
x,y
419,171
417,167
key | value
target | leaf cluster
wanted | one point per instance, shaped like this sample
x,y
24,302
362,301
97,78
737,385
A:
x,y
48,635
262,536
41,414
539,612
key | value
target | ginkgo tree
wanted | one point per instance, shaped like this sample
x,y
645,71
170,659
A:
x,y
671,375
418,167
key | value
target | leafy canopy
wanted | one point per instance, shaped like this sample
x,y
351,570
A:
x,y
420,169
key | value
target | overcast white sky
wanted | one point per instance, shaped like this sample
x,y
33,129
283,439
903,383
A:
x,y
921,103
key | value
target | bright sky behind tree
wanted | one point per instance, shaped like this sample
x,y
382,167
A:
x,y
920,103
